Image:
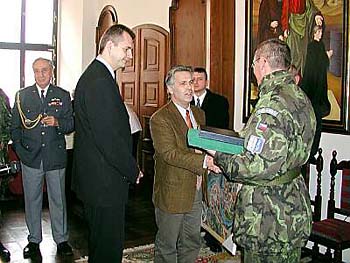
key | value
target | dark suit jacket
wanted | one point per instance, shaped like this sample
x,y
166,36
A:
x,y
103,164
176,165
215,107
42,143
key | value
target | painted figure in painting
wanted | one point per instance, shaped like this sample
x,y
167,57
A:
x,y
269,24
298,18
314,81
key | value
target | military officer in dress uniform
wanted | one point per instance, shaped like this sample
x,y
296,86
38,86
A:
x,y
42,115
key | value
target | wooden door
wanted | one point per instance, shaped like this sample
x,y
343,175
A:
x,y
108,17
142,82
188,32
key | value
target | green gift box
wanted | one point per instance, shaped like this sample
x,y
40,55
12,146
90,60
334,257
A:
x,y
220,140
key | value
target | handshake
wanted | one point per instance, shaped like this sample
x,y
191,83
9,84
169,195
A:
x,y
209,159
209,162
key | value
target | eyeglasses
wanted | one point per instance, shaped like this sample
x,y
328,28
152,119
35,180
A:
x,y
254,62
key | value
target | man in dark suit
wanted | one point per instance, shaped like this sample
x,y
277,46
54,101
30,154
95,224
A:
x,y
214,105
103,165
42,115
177,191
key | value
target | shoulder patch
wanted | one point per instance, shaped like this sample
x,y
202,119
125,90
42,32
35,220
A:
x,y
267,111
255,144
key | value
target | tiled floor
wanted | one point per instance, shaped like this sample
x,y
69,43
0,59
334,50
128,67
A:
x,y
140,226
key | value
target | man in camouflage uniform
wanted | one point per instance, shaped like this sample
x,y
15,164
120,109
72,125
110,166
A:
x,y
273,214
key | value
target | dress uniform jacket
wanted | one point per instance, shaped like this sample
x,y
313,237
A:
x,y
42,143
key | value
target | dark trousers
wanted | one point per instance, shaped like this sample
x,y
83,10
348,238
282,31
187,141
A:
x,y
106,233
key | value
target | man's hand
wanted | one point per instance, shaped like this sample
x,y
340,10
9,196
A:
x,y
49,121
139,177
198,151
211,165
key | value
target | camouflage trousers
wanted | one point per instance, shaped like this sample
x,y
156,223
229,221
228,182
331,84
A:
x,y
292,256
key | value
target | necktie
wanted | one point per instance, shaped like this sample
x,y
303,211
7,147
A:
x,y
42,96
198,103
188,119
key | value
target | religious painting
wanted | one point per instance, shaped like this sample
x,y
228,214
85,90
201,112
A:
x,y
218,208
295,21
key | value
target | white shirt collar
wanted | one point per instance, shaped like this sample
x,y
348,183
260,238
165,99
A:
x,y
182,111
201,97
104,62
40,89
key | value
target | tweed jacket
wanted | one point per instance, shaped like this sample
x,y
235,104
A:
x,y
176,165
42,143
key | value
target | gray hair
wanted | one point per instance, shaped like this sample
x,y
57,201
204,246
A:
x,y
276,53
43,59
170,76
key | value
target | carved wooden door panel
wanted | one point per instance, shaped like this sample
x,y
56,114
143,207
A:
x,y
108,17
142,82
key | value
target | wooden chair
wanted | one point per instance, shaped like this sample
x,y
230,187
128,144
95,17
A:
x,y
331,232
317,201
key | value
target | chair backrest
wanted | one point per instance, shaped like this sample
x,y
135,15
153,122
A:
x,y
318,196
344,167
317,201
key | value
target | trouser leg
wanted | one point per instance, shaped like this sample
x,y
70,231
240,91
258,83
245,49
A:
x,y
33,198
55,182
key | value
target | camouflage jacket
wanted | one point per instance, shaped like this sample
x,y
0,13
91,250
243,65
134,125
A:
x,y
278,138
5,117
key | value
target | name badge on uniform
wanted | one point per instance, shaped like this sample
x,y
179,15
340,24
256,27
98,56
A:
x,y
255,144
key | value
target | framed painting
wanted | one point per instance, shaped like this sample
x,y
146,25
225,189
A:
x,y
218,209
275,19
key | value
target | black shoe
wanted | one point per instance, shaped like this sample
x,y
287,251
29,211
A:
x,y
4,253
32,250
64,249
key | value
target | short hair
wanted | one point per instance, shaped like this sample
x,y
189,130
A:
x,y
43,59
276,52
170,76
201,70
114,34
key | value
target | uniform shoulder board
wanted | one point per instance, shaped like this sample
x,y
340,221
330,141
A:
x,y
267,111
